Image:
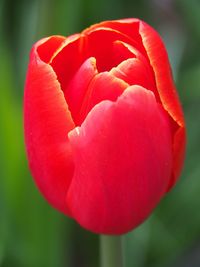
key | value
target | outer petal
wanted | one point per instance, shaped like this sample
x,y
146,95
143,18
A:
x,y
159,61
160,64
179,155
47,123
122,156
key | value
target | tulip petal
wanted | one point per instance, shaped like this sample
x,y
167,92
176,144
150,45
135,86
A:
x,y
104,86
126,27
106,52
78,86
47,122
178,156
123,155
124,50
68,59
133,71
165,85
47,49
160,64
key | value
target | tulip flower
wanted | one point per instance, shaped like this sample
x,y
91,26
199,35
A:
x,y
104,128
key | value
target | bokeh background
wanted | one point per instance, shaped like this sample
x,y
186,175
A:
x,y
32,234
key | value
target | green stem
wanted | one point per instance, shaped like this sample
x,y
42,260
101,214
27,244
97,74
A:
x,y
111,251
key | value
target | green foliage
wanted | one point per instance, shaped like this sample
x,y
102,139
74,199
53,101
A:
x,y
32,234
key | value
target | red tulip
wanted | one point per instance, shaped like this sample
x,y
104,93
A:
x,y
104,129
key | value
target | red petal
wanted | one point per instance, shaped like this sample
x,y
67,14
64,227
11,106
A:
x,y
159,61
133,71
124,50
164,81
78,87
47,122
50,45
106,52
127,27
104,86
179,145
68,59
123,158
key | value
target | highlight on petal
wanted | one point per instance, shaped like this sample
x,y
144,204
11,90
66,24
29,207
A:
x,y
123,158
47,122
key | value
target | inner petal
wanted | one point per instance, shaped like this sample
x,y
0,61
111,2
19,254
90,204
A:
x,y
78,86
134,71
127,27
108,53
104,86
69,60
49,47
137,70
78,63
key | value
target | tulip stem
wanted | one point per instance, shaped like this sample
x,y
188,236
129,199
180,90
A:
x,y
111,251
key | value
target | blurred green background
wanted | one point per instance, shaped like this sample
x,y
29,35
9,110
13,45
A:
x,y
32,234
